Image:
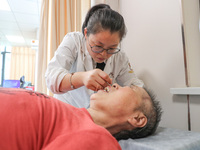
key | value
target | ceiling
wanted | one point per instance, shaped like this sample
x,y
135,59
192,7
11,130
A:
x,y
22,20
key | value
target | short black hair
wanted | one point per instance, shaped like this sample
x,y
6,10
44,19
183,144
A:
x,y
101,17
153,118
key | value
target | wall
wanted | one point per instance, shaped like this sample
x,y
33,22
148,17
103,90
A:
x,y
114,4
154,46
192,40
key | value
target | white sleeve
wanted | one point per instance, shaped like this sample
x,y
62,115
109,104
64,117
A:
x,y
61,63
126,75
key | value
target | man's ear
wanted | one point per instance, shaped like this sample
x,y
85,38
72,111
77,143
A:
x,y
85,32
138,120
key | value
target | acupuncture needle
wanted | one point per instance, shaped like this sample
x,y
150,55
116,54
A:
x,y
109,84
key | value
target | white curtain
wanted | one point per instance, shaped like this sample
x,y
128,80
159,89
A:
x,y
58,17
23,64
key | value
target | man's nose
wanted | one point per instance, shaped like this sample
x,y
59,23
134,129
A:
x,y
115,85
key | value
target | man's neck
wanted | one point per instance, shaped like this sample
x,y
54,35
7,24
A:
x,y
111,124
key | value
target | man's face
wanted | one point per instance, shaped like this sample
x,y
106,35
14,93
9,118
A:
x,y
118,101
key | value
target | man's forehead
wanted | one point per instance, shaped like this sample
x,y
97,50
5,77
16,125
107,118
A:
x,y
136,88
140,91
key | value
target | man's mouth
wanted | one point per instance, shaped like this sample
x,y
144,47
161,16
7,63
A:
x,y
106,89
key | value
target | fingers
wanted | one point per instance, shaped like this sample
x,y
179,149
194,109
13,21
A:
x,y
95,87
97,80
106,80
101,83
103,79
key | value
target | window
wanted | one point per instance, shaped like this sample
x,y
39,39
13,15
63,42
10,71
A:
x,y
19,25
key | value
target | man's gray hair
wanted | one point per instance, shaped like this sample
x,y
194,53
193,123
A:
x,y
153,118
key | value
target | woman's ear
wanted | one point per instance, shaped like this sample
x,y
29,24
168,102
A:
x,y
139,120
85,32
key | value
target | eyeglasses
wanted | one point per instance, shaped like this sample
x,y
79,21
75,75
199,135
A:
x,y
99,49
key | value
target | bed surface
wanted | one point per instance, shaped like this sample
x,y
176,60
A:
x,y
165,139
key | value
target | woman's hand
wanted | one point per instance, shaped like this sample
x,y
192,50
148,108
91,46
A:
x,y
96,79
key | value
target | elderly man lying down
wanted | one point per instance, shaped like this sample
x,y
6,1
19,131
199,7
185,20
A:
x,y
31,120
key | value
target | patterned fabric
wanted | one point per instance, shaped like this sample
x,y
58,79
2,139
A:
x,y
165,139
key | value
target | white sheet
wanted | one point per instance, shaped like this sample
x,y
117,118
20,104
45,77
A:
x,y
165,139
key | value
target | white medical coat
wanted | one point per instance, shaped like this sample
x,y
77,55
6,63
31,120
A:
x,y
72,56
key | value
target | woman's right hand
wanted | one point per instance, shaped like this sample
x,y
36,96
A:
x,y
96,79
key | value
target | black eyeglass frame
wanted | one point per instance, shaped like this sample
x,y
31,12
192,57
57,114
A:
x,y
107,50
